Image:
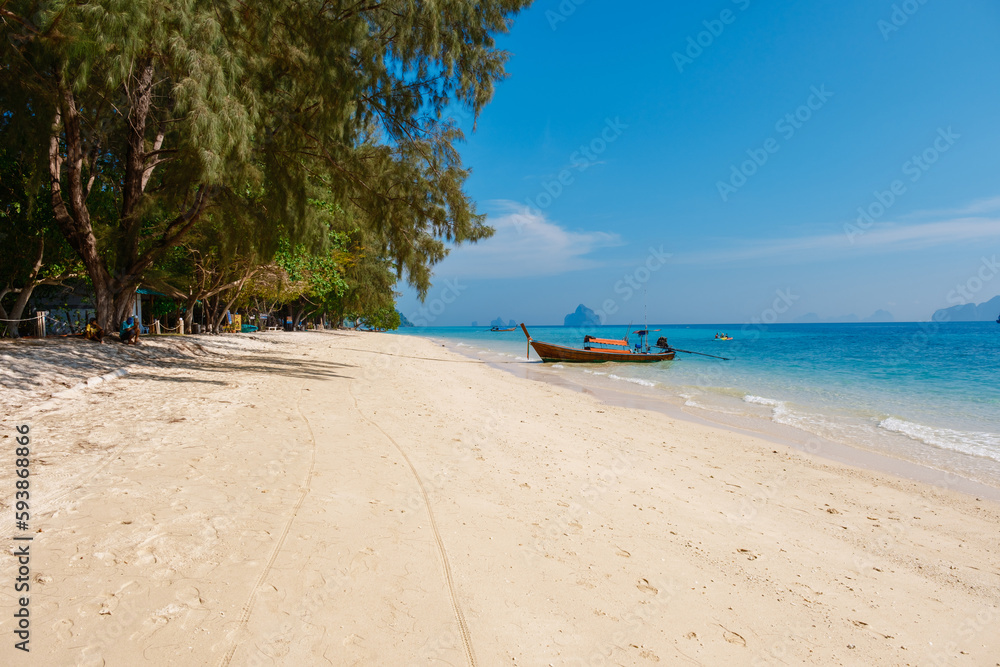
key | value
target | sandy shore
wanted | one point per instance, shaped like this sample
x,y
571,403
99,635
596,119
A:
x,y
364,499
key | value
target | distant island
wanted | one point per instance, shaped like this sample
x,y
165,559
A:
x,y
403,322
970,312
582,317
498,322
881,316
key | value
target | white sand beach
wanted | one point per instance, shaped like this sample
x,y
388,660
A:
x,y
365,499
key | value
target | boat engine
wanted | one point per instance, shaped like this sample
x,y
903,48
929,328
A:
x,y
662,343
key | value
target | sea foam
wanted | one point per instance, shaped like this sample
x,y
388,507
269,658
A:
x,y
640,381
968,442
780,413
760,400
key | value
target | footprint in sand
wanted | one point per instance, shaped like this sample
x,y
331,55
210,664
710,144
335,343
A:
x,y
108,606
190,597
63,629
733,638
91,657
646,587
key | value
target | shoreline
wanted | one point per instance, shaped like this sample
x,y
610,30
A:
x,y
364,499
854,455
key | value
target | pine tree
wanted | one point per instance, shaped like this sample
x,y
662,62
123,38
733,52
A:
x,y
164,108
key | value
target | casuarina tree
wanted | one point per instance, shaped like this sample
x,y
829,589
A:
x,y
167,108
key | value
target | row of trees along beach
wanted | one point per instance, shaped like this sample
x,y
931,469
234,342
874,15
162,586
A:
x,y
296,157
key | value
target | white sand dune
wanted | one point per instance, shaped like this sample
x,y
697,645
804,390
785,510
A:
x,y
363,499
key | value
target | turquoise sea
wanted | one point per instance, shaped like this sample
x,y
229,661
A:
x,y
924,392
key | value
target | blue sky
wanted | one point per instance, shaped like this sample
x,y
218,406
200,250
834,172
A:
x,y
740,138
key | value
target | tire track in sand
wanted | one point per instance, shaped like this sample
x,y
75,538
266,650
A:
x,y
460,617
248,607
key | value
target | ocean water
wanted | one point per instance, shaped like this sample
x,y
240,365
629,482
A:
x,y
924,392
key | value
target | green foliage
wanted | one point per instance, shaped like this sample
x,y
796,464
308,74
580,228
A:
x,y
168,115
319,272
27,230
369,277
162,307
384,319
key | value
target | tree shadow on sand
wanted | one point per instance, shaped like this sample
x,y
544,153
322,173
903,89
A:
x,y
58,363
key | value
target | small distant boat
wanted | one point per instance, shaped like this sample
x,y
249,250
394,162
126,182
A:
x,y
498,329
612,350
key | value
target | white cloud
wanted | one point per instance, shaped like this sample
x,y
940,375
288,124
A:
x,y
881,237
525,244
978,207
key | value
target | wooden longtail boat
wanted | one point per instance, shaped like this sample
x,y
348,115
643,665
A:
x,y
589,355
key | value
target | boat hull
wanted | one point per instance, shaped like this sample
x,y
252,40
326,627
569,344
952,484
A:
x,y
559,353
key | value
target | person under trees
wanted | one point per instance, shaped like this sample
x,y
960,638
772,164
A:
x,y
149,117
93,331
129,332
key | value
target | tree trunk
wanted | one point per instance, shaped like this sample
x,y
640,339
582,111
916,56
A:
x,y
237,288
189,312
18,309
297,316
211,310
25,292
140,96
113,294
74,218
123,304
4,325
221,314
